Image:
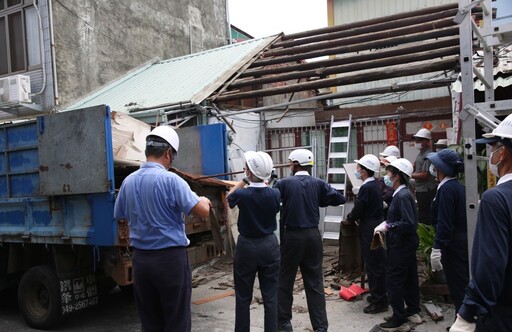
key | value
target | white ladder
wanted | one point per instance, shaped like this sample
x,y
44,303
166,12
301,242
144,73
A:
x,y
339,140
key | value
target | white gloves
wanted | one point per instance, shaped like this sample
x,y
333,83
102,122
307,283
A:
x,y
435,260
462,325
355,190
383,228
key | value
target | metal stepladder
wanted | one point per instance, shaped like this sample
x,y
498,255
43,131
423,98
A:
x,y
339,139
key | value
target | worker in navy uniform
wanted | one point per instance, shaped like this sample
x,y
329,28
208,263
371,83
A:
x,y
369,211
425,183
450,248
257,248
487,304
301,246
402,242
386,192
153,201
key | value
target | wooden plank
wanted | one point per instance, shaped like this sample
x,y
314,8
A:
x,y
214,298
434,311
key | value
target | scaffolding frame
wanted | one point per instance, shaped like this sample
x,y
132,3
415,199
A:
x,y
489,36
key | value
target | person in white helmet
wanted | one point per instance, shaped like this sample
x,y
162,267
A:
x,y
301,244
368,209
441,144
402,242
425,183
153,201
389,154
487,304
257,248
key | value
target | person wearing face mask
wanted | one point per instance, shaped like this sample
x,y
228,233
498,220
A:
x,y
153,201
425,182
257,248
487,304
450,248
390,153
402,242
301,245
368,210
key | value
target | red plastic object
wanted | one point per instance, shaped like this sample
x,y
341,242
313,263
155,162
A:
x,y
349,293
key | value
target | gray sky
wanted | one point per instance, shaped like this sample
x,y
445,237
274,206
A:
x,y
262,18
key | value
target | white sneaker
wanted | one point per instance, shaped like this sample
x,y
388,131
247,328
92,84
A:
x,y
415,319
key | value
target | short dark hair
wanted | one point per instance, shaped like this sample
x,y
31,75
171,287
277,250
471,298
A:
x,y
158,150
368,171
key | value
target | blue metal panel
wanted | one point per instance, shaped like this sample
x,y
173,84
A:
x,y
214,149
109,150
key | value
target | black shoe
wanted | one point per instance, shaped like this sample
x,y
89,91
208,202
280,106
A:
x,y
369,299
395,325
285,326
375,308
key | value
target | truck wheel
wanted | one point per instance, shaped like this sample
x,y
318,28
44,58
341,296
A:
x,y
39,297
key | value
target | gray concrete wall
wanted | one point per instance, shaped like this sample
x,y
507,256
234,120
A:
x,y
99,41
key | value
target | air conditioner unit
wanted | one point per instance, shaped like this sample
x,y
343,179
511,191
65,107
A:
x,y
15,89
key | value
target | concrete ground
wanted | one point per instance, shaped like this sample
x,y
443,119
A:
x,y
214,281
218,315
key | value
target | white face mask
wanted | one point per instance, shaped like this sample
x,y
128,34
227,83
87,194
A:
x,y
494,167
418,146
432,171
357,174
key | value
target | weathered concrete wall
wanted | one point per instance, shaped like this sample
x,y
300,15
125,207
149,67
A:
x,y
99,41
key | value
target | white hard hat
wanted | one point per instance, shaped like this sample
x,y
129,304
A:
x,y
423,133
302,156
442,141
260,164
370,162
503,130
168,134
390,150
403,165
388,160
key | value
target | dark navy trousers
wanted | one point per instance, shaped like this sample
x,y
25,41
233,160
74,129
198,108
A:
x,y
304,249
262,256
402,282
456,269
374,262
163,287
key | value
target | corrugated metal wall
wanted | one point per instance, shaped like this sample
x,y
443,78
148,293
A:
x,y
348,11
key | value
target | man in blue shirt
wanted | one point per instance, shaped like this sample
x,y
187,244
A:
x,y
487,304
153,201
301,195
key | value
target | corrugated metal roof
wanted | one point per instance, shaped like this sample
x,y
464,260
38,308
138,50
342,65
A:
x,y
190,78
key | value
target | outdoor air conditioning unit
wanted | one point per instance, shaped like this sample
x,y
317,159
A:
x,y
15,89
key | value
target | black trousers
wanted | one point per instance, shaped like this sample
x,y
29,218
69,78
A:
x,y
262,256
163,288
402,282
456,270
302,248
424,206
374,262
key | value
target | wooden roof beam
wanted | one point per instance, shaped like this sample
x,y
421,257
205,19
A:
x,y
363,38
351,67
377,20
374,55
449,63
350,30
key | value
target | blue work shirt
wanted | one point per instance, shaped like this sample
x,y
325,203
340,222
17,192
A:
x,y
258,205
302,195
402,220
153,201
